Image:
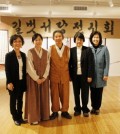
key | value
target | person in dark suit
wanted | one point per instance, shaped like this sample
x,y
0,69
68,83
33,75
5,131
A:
x,y
15,68
81,68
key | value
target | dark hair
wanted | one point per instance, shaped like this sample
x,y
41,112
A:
x,y
79,35
58,31
14,37
94,33
35,36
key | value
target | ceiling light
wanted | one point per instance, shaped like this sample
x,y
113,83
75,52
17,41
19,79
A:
x,y
111,3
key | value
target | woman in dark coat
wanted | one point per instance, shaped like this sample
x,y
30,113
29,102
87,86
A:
x,y
81,68
15,68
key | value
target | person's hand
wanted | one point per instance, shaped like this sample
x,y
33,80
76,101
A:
x,y
39,81
10,86
43,79
105,78
89,79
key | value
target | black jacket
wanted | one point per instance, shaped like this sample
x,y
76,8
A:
x,y
87,63
12,69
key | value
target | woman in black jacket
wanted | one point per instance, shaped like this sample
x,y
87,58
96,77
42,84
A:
x,y
15,68
81,69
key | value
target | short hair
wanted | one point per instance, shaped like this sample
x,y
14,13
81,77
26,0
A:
x,y
94,33
58,31
14,37
79,35
35,36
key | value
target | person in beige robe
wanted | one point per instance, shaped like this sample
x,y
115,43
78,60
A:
x,y
59,76
37,95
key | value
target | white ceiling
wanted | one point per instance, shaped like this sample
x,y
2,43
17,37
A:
x,y
60,8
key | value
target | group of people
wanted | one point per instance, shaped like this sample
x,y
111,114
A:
x,y
86,67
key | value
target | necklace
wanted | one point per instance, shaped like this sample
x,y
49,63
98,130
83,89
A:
x,y
19,56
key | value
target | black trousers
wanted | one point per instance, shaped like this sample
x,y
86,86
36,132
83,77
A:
x,y
96,97
16,103
81,93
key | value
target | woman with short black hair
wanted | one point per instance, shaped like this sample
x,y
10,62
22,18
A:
x,y
37,95
15,68
81,68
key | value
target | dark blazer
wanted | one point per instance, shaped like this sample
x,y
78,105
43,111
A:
x,y
87,63
12,69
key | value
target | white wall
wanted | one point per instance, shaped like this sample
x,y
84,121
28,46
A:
x,y
3,45
46,43
28,44
114,49
112,44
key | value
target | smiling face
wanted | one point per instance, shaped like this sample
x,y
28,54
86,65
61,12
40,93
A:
x,y
58,37
38,42
17,44
96,40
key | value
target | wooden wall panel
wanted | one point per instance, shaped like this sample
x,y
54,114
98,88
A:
x,y
110,28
